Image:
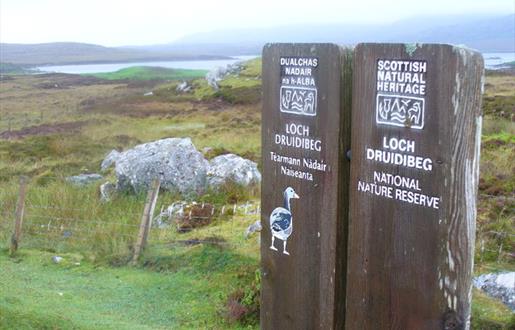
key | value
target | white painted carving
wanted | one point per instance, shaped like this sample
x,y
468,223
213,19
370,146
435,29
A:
x,y
399,110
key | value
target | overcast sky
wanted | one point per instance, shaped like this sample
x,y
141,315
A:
x,y
127,22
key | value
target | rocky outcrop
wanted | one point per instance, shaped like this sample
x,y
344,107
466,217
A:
x,y
179,165
214,76
109,160
84,179
500,286
183,87
175,161
232,168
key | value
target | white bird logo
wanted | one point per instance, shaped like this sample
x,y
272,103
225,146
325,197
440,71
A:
x,y
281,220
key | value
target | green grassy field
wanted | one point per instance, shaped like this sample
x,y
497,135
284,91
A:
x,y
151,73
56,125
38,294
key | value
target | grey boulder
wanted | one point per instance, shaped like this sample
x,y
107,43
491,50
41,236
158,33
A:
x,y
84,179
500,286
109,160
232,168
183,87
217,74
57,259
175,161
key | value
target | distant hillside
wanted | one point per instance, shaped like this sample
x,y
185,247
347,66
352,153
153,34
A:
x,y
488,35
484,33
76,53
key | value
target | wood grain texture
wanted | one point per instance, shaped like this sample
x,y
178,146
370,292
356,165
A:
x,y
146,220
18,221
410,266
305,290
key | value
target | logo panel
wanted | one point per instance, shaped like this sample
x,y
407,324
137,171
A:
x,y
400,110
298,100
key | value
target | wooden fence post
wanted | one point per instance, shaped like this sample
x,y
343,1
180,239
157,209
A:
x,y
146,220
306,116
20,210
155,194
416,132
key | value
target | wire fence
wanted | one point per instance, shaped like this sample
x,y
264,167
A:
x,y
496,245
60,224
75,219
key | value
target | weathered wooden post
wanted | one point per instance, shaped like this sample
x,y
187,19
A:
x,y
305,134
18,220
146,220
416,130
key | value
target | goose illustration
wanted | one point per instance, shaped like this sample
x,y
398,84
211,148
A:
x,y
281,220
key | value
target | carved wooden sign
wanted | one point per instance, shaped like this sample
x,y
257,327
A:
x,y
306,114
416,129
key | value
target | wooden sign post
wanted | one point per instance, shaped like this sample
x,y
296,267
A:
x,y
416,130
305,133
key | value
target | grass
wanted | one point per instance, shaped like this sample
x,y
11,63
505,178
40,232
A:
x,y
115,114
179,286
244,87
118,117
496,208
174,286
490,314
38,294
151,73
69,153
